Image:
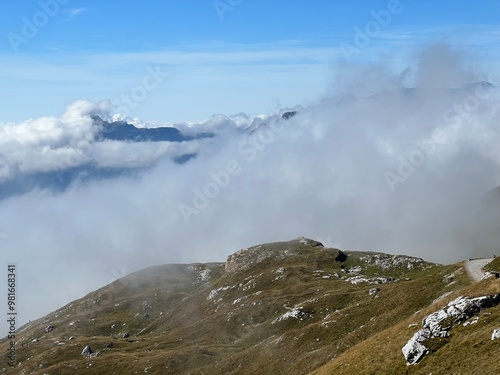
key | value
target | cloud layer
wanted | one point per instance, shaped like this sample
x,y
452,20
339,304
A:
x,y
374,165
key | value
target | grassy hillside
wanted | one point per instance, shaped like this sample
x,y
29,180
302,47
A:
x,y
281,308
469,350
494,266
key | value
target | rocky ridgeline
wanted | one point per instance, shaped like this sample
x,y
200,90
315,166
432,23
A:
x,y
386,261
439,323
274,252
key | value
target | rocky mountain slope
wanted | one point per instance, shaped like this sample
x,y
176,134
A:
x,y
280,308
123,131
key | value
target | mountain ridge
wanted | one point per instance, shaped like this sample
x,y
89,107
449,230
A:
x,y
124,131
285,306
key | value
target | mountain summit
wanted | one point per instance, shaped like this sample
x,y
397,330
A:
x,y
276,253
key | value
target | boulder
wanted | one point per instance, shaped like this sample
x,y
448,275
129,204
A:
x,y
496,334
87,351
49,328
414,351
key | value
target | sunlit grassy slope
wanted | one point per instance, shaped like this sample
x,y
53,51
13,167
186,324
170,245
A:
x,y
469,349
494,266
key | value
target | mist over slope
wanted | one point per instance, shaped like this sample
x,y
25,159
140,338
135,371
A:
x,y
385,161
271,308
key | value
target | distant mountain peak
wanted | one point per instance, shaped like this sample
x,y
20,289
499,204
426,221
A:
x,y
123,131
288,115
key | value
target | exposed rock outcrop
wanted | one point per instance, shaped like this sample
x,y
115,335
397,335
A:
x,y
87,351
276,252
288,115
439,323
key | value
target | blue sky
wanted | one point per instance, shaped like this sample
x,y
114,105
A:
x,y
251,56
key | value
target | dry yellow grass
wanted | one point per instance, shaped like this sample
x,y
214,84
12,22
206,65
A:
x,y
469,350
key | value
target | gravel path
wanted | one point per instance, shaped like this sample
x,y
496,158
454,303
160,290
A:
x,y
474,268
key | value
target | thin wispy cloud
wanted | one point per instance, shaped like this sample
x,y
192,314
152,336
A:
x,y
482,35
73,12
108,74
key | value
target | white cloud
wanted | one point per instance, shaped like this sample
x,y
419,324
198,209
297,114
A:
x,y
51,144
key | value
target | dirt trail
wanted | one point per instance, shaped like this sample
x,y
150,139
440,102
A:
x,y
474,268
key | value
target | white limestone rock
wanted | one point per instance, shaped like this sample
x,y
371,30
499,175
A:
x,y
87,351
439,323
414,351
496,334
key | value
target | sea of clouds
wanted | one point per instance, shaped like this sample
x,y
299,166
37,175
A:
x,y
385,161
